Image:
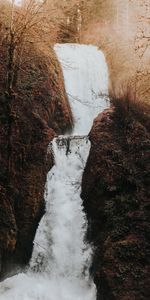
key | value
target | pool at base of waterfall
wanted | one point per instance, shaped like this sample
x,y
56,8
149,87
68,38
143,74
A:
x,y
61,258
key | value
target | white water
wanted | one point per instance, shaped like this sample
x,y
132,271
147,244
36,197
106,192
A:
x,y
86,78
61,258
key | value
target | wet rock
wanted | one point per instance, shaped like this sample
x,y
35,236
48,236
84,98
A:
x,y
116,200
28,124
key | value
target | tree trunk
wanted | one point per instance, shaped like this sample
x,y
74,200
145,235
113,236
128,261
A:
x,y
10,65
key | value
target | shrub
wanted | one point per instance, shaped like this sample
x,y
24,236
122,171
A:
x,y
128,107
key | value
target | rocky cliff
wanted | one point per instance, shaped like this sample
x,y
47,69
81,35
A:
x,y
115,194
37,110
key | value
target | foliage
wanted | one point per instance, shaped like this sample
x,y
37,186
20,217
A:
x,y
128,107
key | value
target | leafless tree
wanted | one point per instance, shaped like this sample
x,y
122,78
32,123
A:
x,y
25,25
23,30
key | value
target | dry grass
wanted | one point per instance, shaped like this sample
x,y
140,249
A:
x,y
128,107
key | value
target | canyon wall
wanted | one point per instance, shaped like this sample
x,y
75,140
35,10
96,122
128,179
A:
x,y
116,199
37,110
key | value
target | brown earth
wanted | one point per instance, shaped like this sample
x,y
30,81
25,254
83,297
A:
x,y
115,192
37,110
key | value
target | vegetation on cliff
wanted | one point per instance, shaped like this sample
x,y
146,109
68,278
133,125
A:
x,y
115,190
115,187
33,108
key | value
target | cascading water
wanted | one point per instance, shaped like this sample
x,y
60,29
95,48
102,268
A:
x,y
59,268
86,81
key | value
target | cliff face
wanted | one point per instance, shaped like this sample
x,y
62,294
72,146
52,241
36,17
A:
x,y
115,194
37,110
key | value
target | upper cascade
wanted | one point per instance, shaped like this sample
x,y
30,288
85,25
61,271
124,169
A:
x,y
86,81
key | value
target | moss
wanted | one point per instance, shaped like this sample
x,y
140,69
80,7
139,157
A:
x,y
129,250
126,202
37,97
119,232
117,203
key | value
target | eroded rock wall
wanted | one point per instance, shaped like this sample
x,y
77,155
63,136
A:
x,y
37,110
115,191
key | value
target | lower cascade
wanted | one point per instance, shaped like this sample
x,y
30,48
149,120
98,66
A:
x,y
59,267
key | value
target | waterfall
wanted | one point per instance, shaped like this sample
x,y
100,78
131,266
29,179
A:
x,y
59,267
61,232
86,81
